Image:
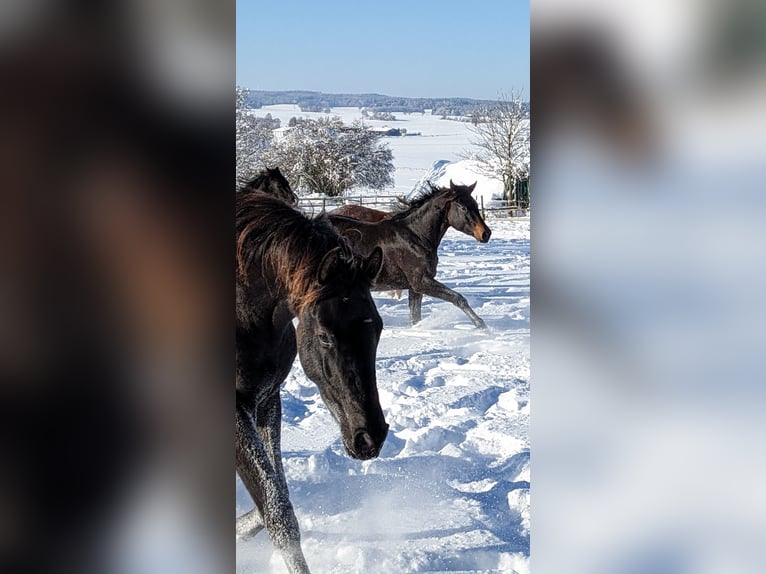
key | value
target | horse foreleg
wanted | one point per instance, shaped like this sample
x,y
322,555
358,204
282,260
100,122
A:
x,y
416,300
268,488
431,287
269,428
268,425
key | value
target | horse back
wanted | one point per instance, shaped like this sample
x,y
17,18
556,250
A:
x,y
404,254
360,213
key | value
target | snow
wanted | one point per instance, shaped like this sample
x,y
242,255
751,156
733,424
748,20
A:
x,y
450,490
463,172
413,154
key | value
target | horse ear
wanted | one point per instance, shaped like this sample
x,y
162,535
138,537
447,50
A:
x,y
451,184
471,187
374,263
328,265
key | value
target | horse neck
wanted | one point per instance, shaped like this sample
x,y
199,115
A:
x,y
430,221
272,293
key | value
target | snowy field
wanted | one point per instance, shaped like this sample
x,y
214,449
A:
x,y
413,155
450,490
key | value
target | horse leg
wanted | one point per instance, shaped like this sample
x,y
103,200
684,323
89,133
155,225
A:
x,y
415,300
249,524
269,429
268,488
268,426
431,287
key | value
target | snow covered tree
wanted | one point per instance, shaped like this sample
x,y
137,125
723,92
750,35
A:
x,y
501,132
326,156
253,138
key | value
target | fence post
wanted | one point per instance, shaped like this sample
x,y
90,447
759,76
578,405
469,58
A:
x,y
324,204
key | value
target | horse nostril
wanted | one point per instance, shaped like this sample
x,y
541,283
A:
x,y
485,236
364,446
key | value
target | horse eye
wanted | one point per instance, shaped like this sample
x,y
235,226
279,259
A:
x,y
324,340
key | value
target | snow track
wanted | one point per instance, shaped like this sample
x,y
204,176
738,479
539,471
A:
x,y
450,490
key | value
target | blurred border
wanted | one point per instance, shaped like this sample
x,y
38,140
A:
x,y
647,286
647,275
116,149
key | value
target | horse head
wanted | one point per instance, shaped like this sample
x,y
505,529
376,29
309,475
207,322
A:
x,y
278,186
272,182
337,341
463,213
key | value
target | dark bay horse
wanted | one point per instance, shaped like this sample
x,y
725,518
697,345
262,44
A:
x,y
291,266
272,182
361,213
410,240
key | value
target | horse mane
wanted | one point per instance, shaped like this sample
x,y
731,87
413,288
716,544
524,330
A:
x,y
290,245
413,204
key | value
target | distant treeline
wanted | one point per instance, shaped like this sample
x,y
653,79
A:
x,y
321,102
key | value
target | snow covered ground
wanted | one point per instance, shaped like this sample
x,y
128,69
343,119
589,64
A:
x,y
450,490
413,155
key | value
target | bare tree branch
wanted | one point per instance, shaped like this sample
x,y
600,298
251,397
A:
x,y
501,134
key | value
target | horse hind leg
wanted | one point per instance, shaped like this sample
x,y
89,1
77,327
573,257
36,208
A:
x,y
433,288
415,300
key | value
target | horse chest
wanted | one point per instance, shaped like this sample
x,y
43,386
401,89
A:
x,y
264,358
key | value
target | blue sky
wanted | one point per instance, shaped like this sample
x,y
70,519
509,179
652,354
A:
x,y
415,48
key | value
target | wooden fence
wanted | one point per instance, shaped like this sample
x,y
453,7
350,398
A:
x,y
494,209
316,205
501,209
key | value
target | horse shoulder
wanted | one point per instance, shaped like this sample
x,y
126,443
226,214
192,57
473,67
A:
x,y
265,350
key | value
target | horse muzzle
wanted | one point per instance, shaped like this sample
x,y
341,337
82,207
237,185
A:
x,y
482,233
365,446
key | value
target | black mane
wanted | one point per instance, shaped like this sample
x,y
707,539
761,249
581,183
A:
x,y
420,201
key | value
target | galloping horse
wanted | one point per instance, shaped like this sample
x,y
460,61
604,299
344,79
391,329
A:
x,y
291,266
410,240
272,182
